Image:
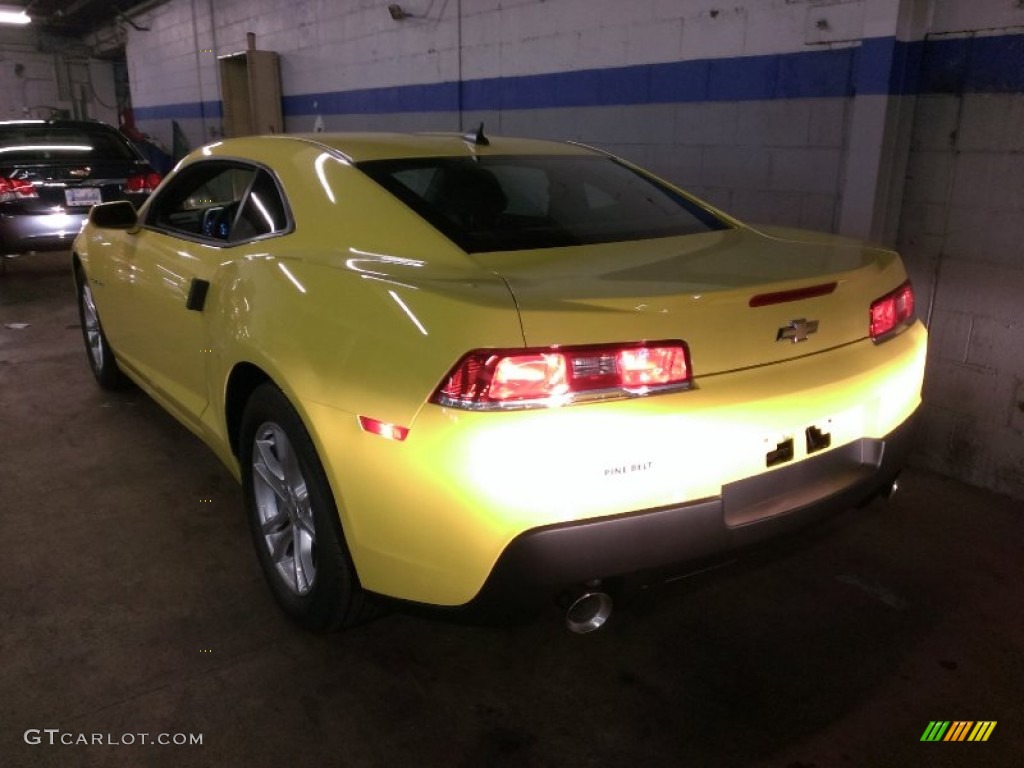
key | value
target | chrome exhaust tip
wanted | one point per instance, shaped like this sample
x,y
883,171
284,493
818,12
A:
x,y
588,612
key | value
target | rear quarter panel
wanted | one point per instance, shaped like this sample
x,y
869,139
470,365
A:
x,y
360,311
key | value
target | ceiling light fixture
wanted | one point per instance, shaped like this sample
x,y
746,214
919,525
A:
x,y
10,14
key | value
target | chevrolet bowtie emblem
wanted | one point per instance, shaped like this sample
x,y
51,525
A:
x,y
80,172
797,330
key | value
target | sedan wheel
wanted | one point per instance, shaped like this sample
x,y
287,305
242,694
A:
x,y
294,519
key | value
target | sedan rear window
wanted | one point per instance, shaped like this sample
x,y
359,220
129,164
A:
x,y
44,143
515,202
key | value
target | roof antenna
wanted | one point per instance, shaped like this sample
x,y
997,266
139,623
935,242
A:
x,y
477,137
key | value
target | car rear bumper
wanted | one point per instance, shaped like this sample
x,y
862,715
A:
x,y
477,487
544,561
39,232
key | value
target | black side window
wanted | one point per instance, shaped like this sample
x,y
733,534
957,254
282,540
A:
x,y
220,201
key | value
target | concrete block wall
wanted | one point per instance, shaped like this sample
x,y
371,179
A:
x,y
898,120
172,72
961,235
29,86
960,232
350,66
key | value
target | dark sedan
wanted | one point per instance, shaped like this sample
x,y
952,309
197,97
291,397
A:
x,y
53,171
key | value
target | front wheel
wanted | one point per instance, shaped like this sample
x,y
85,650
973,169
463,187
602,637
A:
x,y
294,519
101,358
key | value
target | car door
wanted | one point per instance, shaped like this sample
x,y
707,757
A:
x,y
195,224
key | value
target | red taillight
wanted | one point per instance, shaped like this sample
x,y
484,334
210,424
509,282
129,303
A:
x,y
142,183
647,367
535,378
892,312
16,189
529,377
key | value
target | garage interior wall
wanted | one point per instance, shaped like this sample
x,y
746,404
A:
x,y
41,76
897,120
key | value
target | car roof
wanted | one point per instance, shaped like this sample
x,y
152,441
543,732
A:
x,y
359,147
58,123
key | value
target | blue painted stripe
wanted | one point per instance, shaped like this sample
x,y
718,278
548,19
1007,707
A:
x,y
878,66
435,97
889,66
778,76
973,65
817,74
196,109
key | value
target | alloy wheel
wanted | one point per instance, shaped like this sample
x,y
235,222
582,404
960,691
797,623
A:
x,y
91,324
283,508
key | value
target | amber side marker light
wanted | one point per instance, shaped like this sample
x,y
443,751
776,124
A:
x,y
490,379
892,313
383,429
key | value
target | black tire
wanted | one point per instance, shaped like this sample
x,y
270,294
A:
x,y
101,356
294,520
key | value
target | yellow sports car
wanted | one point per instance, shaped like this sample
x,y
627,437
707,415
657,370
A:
x,y
459,370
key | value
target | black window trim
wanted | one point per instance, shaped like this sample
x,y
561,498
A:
x,y
233,162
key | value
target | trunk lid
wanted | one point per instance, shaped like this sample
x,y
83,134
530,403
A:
x,y
700,288
73,186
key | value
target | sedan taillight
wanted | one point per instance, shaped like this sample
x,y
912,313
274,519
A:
x,y
16,189
892,312
539,378
142,183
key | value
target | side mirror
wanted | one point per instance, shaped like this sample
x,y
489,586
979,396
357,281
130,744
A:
x,y
117,215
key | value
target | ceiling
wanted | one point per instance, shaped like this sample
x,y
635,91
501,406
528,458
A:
x,y
76,18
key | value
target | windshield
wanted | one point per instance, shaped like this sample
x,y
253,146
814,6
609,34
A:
x,y
514,202
43,143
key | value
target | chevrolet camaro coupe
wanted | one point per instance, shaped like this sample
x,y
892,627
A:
x,y
462,371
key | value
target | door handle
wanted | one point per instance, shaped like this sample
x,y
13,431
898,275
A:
x,y
197,294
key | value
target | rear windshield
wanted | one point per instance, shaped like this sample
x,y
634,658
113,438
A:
x,y
42,143
515,202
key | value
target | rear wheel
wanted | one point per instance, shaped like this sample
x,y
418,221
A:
x,y
101,358
294,519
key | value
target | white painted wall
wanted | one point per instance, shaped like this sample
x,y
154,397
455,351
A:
x,y
29,86
337,46
952,16
961,235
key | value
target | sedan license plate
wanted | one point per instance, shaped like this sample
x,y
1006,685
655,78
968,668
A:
x,y
82,196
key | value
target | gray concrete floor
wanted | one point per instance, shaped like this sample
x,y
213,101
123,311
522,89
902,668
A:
x,y
132,603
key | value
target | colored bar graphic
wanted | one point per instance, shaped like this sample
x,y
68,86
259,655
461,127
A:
x,y
958,730
982,730
935,731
